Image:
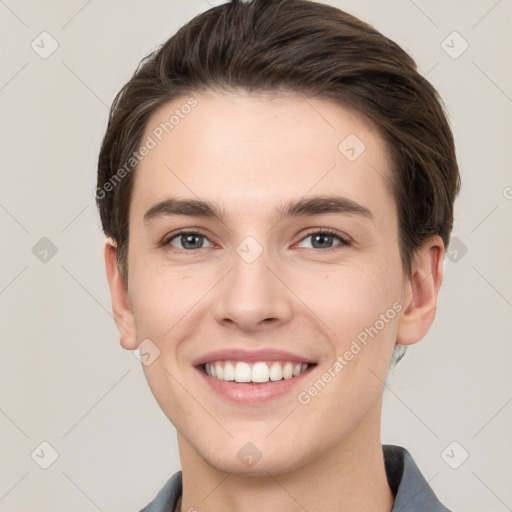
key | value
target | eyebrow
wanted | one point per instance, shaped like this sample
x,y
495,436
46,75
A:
x,y
312,206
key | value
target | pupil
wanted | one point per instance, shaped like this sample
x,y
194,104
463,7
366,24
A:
x,y
189,240
323,239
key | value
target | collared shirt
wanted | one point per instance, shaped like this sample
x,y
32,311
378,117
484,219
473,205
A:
x,y
411,490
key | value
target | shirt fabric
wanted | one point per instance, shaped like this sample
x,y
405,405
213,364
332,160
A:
x,y
411,490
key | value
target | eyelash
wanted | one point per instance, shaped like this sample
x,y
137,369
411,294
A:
x,y
343,239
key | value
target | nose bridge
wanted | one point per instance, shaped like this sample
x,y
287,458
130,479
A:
x,y
251,293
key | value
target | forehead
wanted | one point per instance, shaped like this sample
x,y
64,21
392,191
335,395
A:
x,y
243,150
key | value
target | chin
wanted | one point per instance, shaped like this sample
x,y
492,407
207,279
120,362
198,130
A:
x,y
250,461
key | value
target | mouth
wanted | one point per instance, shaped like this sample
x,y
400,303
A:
x,y
252,377
259,372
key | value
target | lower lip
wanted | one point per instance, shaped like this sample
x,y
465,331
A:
x,y
251,392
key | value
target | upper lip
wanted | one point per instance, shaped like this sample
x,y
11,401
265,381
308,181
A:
x,y
240,354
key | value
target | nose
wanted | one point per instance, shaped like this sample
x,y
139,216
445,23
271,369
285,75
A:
x,y
253,296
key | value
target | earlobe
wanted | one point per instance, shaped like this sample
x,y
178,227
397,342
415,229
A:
x,y
420,296
122,311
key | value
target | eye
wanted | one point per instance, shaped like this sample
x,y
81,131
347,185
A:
x,y
190,241
187,240
323,239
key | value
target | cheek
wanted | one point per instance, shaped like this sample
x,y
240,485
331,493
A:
x,y
349,298
161,297
360,306
164,307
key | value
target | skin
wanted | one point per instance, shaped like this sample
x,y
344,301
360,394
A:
x,y
249,154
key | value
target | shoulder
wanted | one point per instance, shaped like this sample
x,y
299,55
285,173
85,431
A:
x,y
167,497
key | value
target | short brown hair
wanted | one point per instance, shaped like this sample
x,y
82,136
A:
x,y
302,47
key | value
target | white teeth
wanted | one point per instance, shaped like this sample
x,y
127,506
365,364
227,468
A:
x,y
229,372
242,372
259,372
288,371
276,372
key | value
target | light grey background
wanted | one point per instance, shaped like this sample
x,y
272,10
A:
x,y
65,380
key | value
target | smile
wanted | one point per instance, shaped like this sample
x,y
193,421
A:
x,y
256,372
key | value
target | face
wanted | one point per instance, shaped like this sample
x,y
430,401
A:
x,y
264,244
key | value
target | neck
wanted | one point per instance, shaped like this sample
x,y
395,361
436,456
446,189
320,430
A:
x,y
350,477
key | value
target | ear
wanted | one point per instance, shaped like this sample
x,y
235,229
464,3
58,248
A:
x,y
420,292
123,315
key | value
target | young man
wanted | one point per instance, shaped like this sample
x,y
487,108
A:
x,y
277,185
